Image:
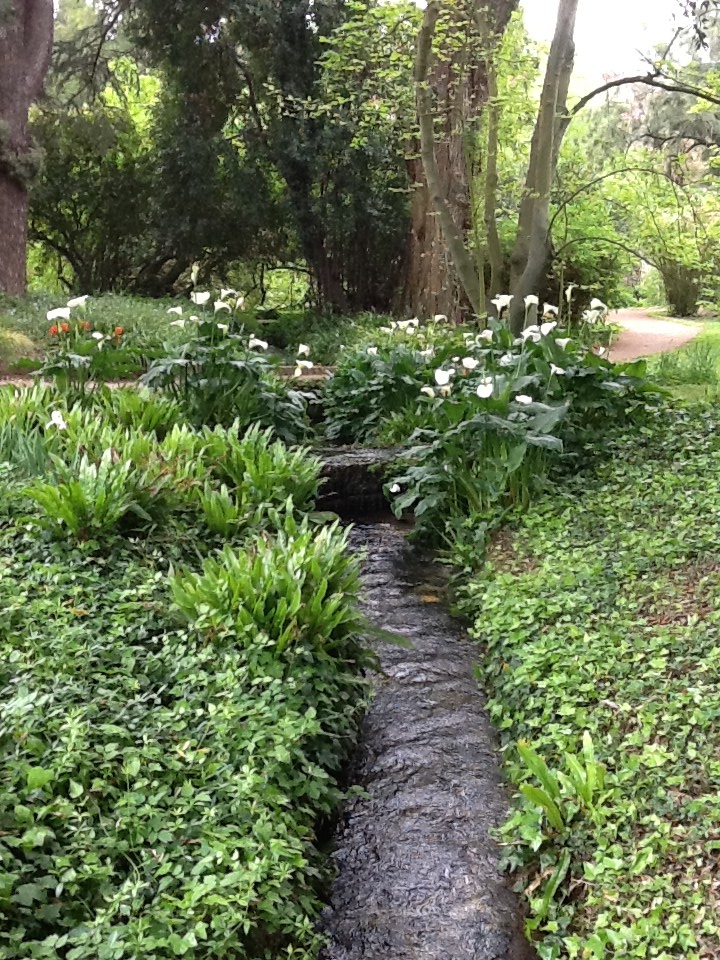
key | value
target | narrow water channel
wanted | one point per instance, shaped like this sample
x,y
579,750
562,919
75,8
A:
x,y
418,875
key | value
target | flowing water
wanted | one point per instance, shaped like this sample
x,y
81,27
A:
x,y
418,875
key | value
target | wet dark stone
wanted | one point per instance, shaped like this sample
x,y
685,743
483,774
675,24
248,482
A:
x,y
418,875
353,480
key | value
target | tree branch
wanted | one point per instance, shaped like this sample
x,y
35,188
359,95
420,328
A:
x,y
614,243
648,80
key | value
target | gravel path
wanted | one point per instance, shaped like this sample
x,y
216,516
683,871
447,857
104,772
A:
x,y
644,334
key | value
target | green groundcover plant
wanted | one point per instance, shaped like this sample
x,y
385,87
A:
x,y
598,621
178,702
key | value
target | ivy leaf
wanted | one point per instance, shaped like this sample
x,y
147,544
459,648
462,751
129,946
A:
x,y
37,778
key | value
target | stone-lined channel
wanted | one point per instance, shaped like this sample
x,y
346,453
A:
x,y
418,875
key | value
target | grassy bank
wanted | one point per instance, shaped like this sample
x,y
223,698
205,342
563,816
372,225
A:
x,y
599,621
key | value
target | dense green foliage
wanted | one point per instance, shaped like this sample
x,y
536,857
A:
x,y
482,415
598,614
175,715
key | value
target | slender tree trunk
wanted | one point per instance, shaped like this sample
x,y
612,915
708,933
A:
x,y
531,256
494,248
442,276
26,32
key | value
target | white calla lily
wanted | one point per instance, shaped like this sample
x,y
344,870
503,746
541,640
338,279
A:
x,y
554,370
442,377
546,328
569,291
531,333
502,302
506,360
428,391
177,310
373,351
523,399
470,363
78,301
255,344
486,335
395,488
485,388
226,292
439,317
222,327
531,301
59,313
303,350
178,323
591,316
96,335
56,420
549,310
562,342
221,305
596,304
200,297
305,364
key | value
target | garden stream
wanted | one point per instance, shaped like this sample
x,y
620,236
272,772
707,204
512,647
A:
x,y
417,868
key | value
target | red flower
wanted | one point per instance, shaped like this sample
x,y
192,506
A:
x,y
53,331
84,325
65,328
119,331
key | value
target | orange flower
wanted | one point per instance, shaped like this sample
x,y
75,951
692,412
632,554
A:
x,y
119,331
84,325
65,328
53,331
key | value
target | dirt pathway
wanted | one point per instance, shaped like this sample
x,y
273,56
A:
x,y
644,334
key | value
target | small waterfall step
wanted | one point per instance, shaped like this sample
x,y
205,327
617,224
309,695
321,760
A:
x,y
418,875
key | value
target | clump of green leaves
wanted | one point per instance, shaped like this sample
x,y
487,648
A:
x,y
218,378
284,592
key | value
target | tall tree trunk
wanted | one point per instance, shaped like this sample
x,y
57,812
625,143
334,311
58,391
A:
x,y
442,276
531,255
26,32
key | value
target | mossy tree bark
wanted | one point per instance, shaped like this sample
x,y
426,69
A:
x,y
26,34
442,274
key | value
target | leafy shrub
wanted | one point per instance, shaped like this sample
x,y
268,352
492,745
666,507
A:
x,y
221,510
94,498
142,410
480,436
14,346
218,380
381,379
261,469
285,592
